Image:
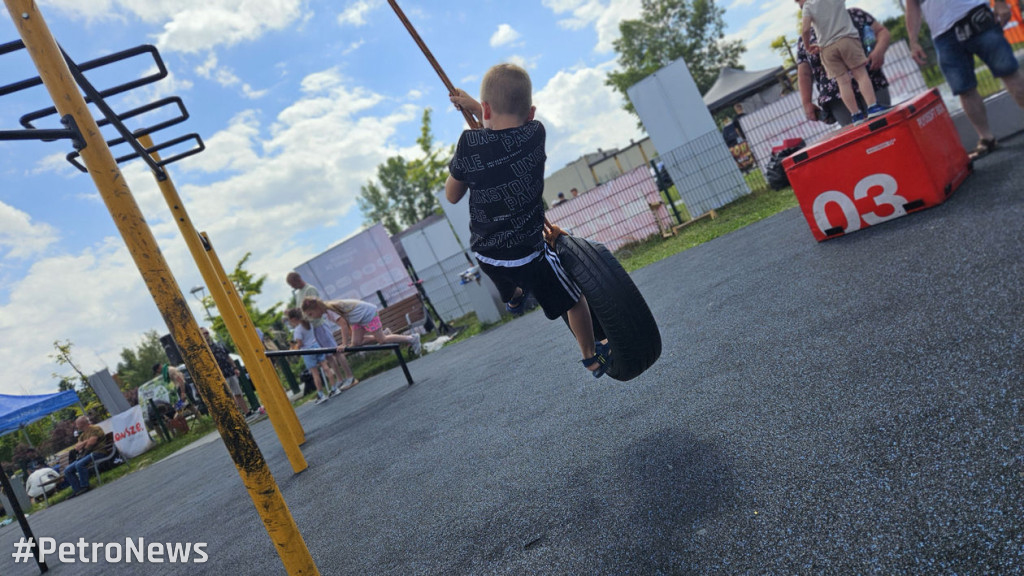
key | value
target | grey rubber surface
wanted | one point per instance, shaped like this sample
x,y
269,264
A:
x,y
849,407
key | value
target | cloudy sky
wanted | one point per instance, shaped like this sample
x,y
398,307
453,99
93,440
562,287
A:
x,y
297,101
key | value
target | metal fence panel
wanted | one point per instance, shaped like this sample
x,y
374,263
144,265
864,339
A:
x,y
625,210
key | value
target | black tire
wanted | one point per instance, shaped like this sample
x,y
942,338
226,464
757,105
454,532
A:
x,y
615,303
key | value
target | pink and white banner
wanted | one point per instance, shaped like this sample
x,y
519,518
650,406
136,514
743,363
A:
x,y
619,212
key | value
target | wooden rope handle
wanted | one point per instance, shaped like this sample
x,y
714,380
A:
x,y
430,58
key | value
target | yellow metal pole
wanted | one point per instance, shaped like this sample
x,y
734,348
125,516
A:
x,y
283,426
251,341
145,252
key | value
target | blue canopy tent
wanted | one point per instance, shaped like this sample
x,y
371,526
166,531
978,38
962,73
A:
x,y
18,411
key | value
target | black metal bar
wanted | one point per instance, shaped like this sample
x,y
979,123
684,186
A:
x,y
374,348
70,131
160,74
18,513
200,146
8,47
98,100
183,115
46,135
308,351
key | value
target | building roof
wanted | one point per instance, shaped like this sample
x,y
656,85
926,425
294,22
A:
x,y
734,85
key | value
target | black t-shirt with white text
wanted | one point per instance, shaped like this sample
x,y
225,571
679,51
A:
x,y
504,170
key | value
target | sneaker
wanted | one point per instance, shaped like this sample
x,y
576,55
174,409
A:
x,y
336,390
348,383
417,348
858,117
876,110
320,399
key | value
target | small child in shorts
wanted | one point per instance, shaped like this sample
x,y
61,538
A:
x,y
502,167
358,320
303,338
842,53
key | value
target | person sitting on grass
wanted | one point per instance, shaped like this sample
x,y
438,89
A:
x,y
303,338
501,166
358,320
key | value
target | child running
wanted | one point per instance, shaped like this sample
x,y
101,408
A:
x,y
357,320
303,338
502,167
842,53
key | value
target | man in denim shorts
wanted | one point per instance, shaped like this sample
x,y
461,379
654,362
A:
x,y
962,29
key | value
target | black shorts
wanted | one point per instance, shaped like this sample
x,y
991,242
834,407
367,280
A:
x,y
544,276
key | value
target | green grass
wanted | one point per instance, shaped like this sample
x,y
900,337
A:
x,y
733,216
162,450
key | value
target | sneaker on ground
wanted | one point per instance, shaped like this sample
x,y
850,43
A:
x,y
320,400
876,110
417,348
347,383
336,390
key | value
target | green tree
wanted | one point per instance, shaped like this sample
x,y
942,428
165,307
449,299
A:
x,y
80,385
248,287
666,31
897,26
786,48
404,191
136,365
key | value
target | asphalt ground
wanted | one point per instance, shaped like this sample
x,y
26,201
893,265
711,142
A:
x,y
848,407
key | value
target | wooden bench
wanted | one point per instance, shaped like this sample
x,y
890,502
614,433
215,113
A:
x,y
399,317
404,315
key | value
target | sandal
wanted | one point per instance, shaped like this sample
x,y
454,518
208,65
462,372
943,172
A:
x,y
984,147
515,305
602,356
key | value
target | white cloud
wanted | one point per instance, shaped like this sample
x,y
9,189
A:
x,y
352,47
582,114
192,26
20,237
226,77
757,34
505,34
603,15
355,13
62,298
524,62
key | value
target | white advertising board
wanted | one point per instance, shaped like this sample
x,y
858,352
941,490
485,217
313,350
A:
x,y
358,267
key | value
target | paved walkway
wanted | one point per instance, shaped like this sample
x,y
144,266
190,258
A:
x,y
850,407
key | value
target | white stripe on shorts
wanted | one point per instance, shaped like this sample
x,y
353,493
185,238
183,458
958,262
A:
x,y
563,278
507,263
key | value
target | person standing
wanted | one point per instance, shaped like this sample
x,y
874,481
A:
x,y
230,371
321,329
961,30
830,107
842,53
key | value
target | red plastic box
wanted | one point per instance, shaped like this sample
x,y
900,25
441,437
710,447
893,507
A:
x,y
906,160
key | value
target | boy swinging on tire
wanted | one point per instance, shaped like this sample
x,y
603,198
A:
x,y
502,167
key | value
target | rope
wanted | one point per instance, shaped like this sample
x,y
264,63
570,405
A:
x,y
430,58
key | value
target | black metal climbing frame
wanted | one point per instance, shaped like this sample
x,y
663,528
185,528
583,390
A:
x,y
98,98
